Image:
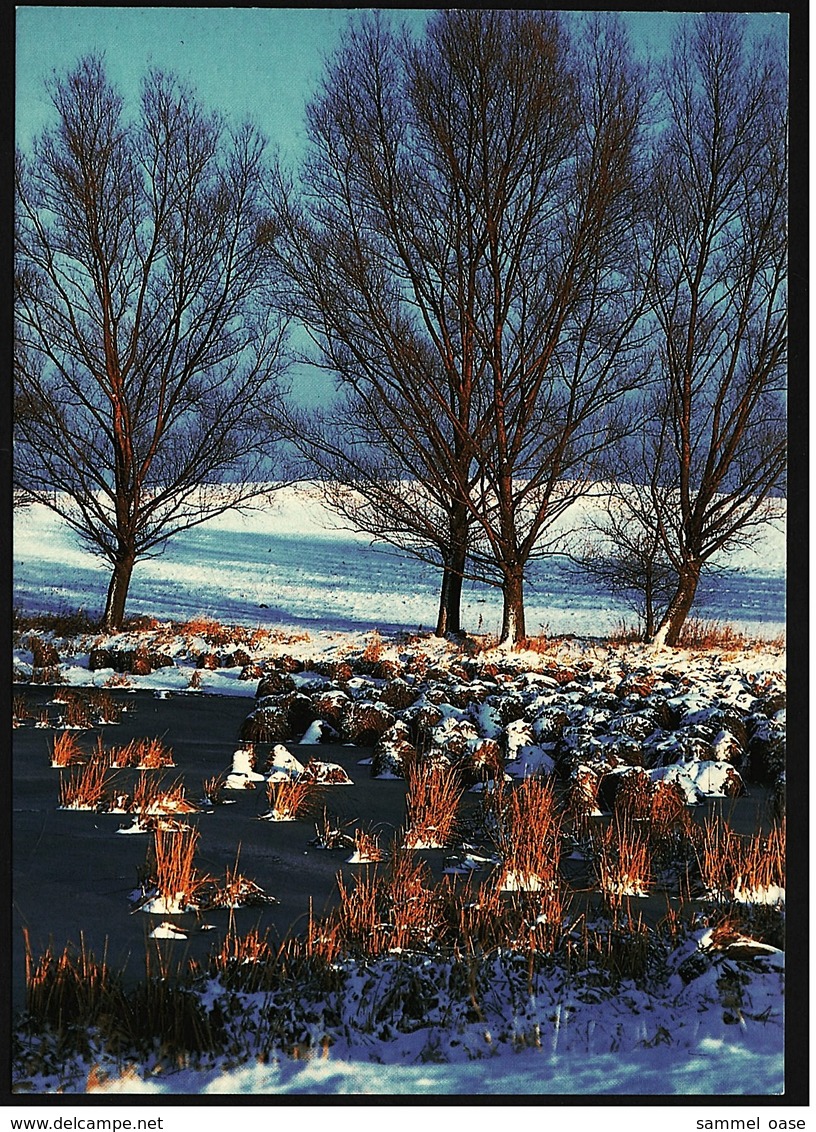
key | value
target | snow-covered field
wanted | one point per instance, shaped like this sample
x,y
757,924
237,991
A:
x,y
291,565
328,590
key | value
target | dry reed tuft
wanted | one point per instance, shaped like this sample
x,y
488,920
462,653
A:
x,y
701,634
432,803
330,833
65,750
238,891
719,855
761,870
374,648
103,707
412,907
291,799
76,710
367,846
170,870
213,790
581,804
143,754
357,926
152,796
70,989
529,839
244,961
633,798
625,634
86,786
543,644
20,710
623,861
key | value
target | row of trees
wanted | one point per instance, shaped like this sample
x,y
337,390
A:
x,y
529,264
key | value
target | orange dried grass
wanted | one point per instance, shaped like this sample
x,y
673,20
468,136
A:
x,y
432,803
623,861
291,799
65,750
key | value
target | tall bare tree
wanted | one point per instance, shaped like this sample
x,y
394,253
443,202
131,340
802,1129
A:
x,y
145,347
719,298
377,474
619,543
462,251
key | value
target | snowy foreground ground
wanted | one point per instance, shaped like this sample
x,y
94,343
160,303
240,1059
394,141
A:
x,y
688,1035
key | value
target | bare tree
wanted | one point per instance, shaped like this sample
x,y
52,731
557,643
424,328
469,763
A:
x,y
462,251
619,545
718,444
376,474
145,346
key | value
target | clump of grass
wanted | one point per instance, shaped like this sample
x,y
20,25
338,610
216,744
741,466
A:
x,y
153,796
382,910
62,623
719,855
65,750
50,674
623,949
633,799
103,707
625,634
331,834
357,926
623,861
290,799
154,754
543,644
213,632
20,710
581,803
86,786
373,648
238,891
70,989
530,837
698,633
367,847
162,1013
170,873
42,718
213,790
432,803
411,905
761,869
244,961
143,754
668,810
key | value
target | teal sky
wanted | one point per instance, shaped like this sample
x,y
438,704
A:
x,y
257,62
246,62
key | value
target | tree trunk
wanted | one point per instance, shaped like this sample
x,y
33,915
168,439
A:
x,y
648,594
450,598
513,629
671,626
118,590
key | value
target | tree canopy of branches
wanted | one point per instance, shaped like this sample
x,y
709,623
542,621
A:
x,y
145,343
461,248
717,420
620,545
